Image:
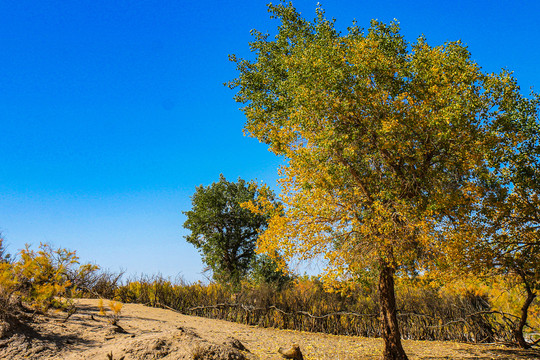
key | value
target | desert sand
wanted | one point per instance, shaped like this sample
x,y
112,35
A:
x,y
152,333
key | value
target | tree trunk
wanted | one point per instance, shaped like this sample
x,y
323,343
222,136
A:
x,y
518,333
388,315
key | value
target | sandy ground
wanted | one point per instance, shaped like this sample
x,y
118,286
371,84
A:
x,y
152,333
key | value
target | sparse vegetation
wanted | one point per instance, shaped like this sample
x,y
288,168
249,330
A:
x,y
470,312
475,310
113,314
409,172
34,281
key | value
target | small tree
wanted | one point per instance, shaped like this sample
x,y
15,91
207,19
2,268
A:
x,y
517,219
224,232
502,236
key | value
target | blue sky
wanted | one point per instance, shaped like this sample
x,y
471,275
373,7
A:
x,y
112,112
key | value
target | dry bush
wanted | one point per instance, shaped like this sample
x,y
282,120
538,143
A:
x,y
96,282
425,313
34,281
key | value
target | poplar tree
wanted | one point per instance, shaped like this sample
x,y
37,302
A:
x,y
225,233
382,139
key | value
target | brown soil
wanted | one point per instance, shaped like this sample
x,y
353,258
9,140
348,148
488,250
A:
x,y
150,333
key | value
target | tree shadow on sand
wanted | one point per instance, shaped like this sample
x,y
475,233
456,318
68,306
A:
x,y
492,353
509,353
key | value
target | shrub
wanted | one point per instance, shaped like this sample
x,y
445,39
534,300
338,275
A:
x,y
36,280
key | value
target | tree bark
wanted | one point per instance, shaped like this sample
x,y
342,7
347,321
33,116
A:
x,y
518,333
393,350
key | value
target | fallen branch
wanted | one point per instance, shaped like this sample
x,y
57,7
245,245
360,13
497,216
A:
x,y
254,308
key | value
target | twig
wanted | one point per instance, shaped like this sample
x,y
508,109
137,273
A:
x,y
163,306
72,310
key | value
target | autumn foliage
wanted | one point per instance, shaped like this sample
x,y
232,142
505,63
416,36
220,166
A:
x,y
409,172
389,145
36,280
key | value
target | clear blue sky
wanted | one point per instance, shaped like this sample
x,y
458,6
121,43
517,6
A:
x,y
112,112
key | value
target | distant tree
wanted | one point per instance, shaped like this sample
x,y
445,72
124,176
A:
x,y
222,230
266,270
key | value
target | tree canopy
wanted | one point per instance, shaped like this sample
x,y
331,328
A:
x,y
223,231
384,141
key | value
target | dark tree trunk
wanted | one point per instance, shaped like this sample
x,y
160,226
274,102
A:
x,y
393,350
518,333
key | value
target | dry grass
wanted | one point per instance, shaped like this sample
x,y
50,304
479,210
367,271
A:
x,y
424,313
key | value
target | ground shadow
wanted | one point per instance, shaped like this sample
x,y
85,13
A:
x,y
510,353
32,336
492,352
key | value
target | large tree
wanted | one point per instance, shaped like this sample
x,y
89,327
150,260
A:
x,y
223,231
383,140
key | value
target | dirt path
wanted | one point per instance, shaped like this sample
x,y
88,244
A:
x,y
152,333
